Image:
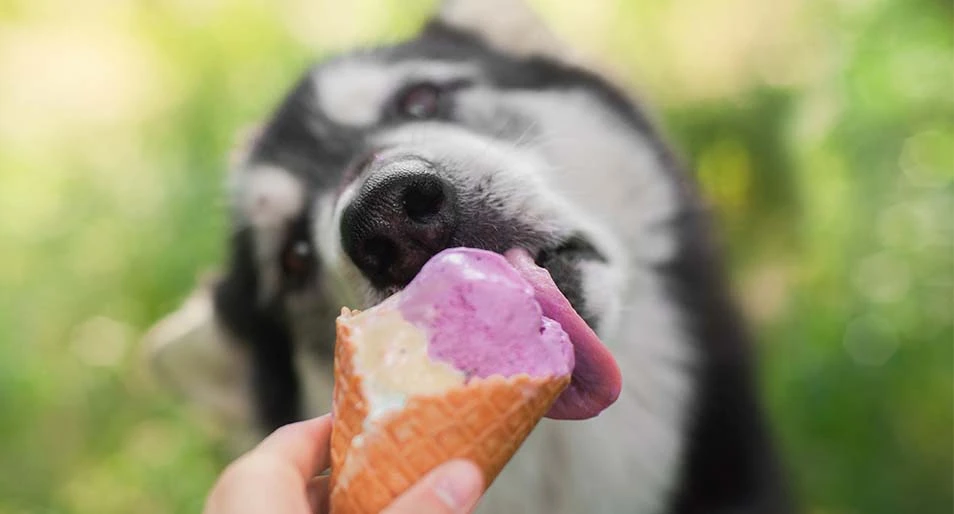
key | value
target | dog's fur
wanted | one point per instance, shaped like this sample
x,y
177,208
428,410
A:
x,y
545,155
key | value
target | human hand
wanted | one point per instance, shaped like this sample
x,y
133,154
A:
x,y
279,476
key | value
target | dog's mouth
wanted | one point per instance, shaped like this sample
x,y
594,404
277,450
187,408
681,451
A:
x,y
562,261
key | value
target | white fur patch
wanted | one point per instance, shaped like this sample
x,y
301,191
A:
x,y
342,278
597,163
269,196
354,92
603,287
643,433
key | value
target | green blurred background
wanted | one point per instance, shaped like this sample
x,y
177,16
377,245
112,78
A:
x,y
822,130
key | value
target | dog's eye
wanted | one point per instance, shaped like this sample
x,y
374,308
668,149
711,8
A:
x,y
420,101
297,260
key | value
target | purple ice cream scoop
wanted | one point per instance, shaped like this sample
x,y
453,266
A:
x,y
485,315
481,317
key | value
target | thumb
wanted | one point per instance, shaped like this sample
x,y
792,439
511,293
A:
x,y
452,488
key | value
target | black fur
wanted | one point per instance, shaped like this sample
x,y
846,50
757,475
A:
x,y
263,331
289,140
731,463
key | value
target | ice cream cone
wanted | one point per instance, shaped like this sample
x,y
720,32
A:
x,y
374,461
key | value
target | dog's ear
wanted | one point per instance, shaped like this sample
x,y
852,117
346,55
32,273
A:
x,y
229,352
257,322
509,26
189,352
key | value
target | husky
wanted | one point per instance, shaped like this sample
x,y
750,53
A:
x,y
485,131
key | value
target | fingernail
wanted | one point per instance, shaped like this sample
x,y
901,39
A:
x,y
458,483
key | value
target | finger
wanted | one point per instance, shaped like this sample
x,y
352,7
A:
x,y
303,445
318,494
452,488
256,483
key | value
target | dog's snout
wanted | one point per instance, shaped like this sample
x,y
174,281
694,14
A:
x,y
402,215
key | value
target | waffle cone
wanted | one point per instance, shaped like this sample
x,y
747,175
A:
x,y
485,421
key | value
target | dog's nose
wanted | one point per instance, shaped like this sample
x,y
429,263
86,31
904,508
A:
x,y
403,215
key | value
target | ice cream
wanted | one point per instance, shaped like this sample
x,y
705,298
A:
x,y
462,363
481,317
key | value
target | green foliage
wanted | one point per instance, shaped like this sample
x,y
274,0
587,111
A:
x,y
822,132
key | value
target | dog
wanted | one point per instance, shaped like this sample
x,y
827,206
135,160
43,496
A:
x,y
485,131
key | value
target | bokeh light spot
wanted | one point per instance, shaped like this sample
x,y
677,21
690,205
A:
x,y
869,342
882,278
927,158
101,342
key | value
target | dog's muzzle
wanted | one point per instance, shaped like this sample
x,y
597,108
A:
x,y
402,215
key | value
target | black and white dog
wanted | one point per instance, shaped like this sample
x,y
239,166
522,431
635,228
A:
x,y
483,132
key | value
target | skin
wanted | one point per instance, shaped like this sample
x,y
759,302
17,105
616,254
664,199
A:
x,y
281,476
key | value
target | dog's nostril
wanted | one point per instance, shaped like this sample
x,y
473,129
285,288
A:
x,y
402,215
423,199
379,253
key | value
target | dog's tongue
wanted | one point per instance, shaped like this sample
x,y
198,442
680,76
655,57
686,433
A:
x,y
596,381
487,316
